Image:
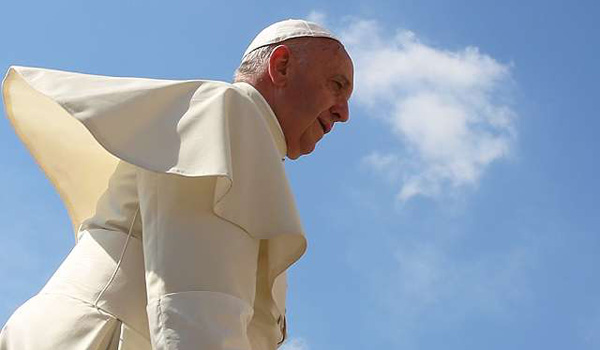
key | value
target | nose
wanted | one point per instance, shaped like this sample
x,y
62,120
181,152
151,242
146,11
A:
x,y
340,111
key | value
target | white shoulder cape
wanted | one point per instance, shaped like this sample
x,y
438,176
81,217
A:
x,y
77,127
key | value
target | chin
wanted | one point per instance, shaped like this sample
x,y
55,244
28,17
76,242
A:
x,y
302,149
309,151
296,155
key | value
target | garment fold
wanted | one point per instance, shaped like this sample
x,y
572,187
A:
x,y
78,126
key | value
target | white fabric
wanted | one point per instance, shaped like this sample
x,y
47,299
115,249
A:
x,y
79,126
220,301
209,304
30,329
199,320
288,29
86,271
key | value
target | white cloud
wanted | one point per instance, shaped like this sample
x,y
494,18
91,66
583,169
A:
x,y
317,17
589,327
448,113
386,164
430,286
445,107
431,276
295,344
421,282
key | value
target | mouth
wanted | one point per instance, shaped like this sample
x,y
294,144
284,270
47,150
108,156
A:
x,y
326,128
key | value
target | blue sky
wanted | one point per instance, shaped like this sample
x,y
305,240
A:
x,y
458,207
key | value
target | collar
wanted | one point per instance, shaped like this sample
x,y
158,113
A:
x,y
268,116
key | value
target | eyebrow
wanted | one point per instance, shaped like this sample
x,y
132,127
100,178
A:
x,y
344,79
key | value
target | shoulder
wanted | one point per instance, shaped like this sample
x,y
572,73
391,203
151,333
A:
x,y
219,90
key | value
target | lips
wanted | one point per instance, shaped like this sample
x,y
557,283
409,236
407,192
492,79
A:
x,y
326,127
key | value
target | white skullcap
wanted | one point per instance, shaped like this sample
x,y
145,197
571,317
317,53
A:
x,y
288,29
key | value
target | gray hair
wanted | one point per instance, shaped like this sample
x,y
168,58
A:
x,y
254,63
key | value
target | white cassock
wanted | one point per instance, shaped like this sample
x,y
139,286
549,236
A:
x,y
184,219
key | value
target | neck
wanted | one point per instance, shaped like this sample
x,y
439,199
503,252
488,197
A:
x,y
268,92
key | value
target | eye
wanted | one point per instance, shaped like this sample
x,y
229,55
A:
x,y
338,85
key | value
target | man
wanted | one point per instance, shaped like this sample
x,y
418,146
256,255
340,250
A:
x,y
184,219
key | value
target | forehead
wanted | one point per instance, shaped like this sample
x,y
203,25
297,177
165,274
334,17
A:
x,y
338,64
330,48
332,56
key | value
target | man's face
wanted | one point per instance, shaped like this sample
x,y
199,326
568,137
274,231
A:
x,y
317,93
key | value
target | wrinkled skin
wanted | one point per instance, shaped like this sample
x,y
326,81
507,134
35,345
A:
x,y
308,86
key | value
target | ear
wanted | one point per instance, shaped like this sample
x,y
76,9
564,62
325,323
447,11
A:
x,y
279,63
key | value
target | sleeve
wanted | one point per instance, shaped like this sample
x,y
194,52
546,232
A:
x,y
201,271
78,126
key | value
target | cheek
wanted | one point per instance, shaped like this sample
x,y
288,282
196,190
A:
x,y
306,122
311,135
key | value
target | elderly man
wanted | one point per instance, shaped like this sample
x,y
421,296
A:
x,y
184,220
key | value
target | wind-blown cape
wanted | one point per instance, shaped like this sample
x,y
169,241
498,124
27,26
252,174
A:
x,y
78,126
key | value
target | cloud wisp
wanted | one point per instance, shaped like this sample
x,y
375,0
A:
x,y
450,116
431,276
295,344
447,109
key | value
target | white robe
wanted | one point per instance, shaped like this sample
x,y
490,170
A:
x,y
219,138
